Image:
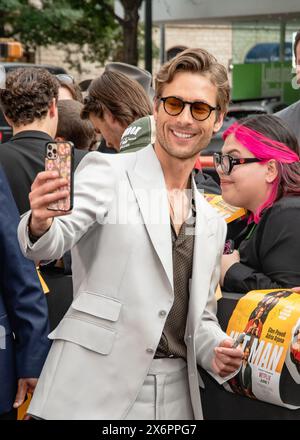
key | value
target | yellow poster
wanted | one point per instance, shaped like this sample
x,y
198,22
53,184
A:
x,y
42,281
228,212
270,320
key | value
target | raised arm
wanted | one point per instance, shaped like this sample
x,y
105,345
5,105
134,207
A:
x,y
46,234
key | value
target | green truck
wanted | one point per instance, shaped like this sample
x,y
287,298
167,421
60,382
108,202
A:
x,y
273,81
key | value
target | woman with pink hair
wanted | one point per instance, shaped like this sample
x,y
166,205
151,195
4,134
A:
x,y
259,170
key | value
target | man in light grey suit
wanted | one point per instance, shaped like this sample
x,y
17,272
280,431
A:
x,y
146,251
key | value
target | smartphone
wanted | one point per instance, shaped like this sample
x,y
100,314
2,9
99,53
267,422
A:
x,y
59,156
229,247
239,340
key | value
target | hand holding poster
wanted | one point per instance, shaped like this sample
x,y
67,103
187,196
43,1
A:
x,y
271,321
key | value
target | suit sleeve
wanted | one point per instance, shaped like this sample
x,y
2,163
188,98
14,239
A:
x,y
278,255
24,300
209,333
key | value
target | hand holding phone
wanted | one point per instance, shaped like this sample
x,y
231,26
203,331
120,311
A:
x,y
59,157
229,247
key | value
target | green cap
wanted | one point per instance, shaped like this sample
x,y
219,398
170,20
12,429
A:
x,y
138,135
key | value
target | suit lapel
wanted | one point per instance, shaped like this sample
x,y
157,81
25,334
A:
x,y
148,184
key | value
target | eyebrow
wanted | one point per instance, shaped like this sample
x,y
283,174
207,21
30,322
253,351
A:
x,y
194,100
234,150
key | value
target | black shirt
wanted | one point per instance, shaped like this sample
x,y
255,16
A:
x,y
269,252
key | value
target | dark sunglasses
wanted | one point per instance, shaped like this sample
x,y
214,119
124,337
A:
x,y
199,110
227,162
65,78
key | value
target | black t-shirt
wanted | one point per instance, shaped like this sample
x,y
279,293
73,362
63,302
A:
x,y
269,251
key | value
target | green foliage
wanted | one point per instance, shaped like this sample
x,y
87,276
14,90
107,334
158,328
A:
x,y
98,35
89,25
141,44
87,30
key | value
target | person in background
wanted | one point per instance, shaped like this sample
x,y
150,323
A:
x,y
28,100
29,104
23,314
144,310
259,170
68,88
291,114
113,102
72,128
142,76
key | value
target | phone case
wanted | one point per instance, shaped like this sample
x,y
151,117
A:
x,y
60,157
229,247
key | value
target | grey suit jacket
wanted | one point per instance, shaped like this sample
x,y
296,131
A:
x,y
120,236
291,115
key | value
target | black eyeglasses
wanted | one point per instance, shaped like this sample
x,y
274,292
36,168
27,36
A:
x,y
199,110
227,162
65,78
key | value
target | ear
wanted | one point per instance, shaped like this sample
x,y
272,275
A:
x,y
272,171
156,103
108,116
114,122
218,122
53,108
8,120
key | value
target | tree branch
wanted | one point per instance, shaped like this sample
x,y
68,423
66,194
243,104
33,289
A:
x,y
112,12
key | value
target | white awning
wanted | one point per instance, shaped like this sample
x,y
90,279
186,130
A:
x,y
219,11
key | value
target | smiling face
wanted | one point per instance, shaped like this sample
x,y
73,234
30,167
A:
x,y
249,184
182,136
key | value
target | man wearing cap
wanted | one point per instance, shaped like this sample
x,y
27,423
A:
x,y
146,251
142,76
113,102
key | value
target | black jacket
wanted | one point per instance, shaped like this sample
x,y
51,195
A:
x,y
22,158
206,183
270,255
